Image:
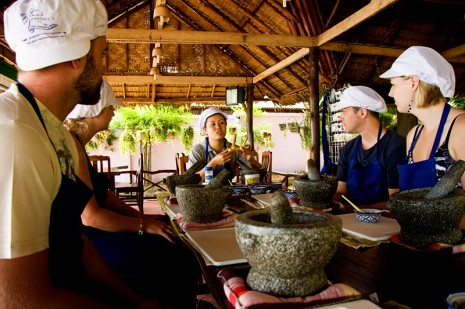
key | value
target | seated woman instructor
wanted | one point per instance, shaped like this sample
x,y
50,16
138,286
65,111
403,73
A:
x,y
214,150
142,249
421,83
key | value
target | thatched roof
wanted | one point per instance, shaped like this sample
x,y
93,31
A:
x,y
208,45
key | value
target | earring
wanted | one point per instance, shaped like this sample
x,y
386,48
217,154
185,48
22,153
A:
x,y
410,106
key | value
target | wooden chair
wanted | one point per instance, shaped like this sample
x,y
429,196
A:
x,y
132,192
267,159
181,162
102,165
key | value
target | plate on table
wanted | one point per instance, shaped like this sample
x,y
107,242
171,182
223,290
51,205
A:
x,y
382,230
219,246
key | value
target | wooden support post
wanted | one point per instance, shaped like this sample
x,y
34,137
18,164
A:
x,y
249,112
405,122
313,99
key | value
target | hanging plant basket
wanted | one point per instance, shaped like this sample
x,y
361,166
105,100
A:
x,y
293,127
282,126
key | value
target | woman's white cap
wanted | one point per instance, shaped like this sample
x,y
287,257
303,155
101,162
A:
x,y
46,32
208,113
107,98
428,65
363,97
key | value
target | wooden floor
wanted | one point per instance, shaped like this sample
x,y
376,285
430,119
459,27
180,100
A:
x,y
152,206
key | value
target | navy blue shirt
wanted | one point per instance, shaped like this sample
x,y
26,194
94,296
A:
x,y
391,151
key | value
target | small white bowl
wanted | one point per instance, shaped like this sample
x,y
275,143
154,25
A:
x,y
369,215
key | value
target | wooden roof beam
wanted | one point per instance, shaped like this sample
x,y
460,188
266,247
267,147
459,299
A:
x,y
371,9
146,36
180,80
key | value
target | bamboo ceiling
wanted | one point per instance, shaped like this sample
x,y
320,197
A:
x,y
208,45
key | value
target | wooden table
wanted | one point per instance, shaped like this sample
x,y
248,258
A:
x,y
286,175
416,279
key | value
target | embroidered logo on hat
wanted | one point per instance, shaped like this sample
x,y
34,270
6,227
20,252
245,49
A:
x,y
35,20
46,32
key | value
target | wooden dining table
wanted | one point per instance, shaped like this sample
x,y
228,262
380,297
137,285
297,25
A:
x,y
390,273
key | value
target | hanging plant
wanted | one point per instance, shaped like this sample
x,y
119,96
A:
x,y
187,137
293,127
306,137
282,126
305,132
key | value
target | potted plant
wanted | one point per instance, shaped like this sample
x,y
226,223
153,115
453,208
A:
x,y
282,126
293,126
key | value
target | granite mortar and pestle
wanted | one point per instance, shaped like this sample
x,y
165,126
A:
x,y
315,190
204,204
431,215
287,249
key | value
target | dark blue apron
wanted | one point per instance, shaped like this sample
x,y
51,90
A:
x,y
65,243
421,174
226,166
366,184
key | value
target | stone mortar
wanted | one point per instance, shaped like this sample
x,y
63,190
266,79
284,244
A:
x,y
316,194
201,205
288,259
428,221
173,181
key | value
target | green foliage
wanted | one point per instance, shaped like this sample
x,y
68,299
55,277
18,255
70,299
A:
x,y
102,140
187,137
389,119
257,111
458,102
257,129
148,124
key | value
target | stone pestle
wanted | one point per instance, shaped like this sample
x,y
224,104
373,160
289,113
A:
x,y
315,190
219,180
448,183
280,210
313,173
189,177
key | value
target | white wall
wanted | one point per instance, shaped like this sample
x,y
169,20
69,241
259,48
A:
x,y
288,154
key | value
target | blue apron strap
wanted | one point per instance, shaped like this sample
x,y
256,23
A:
x,y
414,141
437,139
380,130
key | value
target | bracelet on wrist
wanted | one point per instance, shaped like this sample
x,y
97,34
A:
x,y
141,227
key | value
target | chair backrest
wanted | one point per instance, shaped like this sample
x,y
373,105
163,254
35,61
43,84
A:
x,y
181,163
101,164
267,159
